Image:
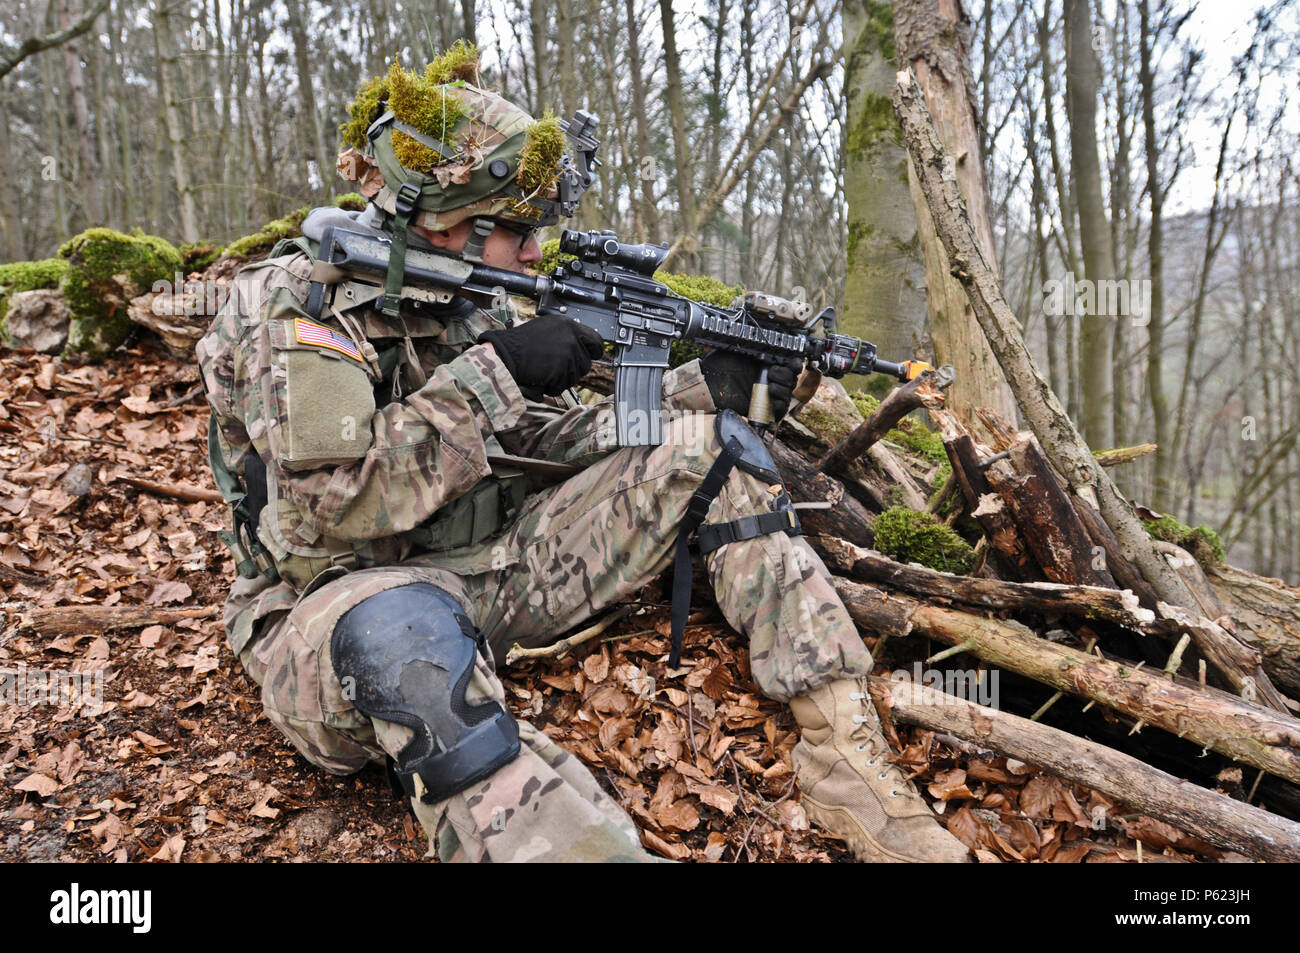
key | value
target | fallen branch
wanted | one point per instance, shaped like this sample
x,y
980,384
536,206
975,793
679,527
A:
x,y
562,648
1113,458
922,391
1203,813
176,491
1208,717
71,620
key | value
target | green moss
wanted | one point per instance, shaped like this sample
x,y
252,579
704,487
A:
x,y
430,107
913,536
700,288
914,436
866,403
858,230
831,428
351,201
264,239
27,276
1202,542
539,159
196,256
875,122
552,257
459,64
880,26
107,268
364,110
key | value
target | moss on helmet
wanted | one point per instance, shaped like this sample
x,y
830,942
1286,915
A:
x,y
432,108
364,110
459,64
539,159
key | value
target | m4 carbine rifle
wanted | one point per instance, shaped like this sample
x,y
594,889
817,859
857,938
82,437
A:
x,y
609,287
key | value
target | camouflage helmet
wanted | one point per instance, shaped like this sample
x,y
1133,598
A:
x,y
469,152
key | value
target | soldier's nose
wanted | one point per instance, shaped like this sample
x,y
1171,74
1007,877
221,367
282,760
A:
x,y
531,252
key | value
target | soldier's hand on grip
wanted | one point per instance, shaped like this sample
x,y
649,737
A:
x,y
731,379
546,355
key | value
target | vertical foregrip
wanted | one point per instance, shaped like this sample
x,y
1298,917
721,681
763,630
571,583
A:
x,y
638,404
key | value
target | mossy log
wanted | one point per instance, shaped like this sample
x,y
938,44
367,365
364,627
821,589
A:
x,y
1104,604
878,479
1213,719
1203,813
106,269
923,391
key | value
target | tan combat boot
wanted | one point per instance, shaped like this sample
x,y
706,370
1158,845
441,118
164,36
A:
x,y
850,788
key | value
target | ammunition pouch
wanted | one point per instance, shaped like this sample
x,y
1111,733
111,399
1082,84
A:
x,y
488,508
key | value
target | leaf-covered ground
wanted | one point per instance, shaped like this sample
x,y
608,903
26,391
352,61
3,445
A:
x,y
180,764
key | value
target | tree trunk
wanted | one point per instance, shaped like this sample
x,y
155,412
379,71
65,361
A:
x,y
688,240
932,37
88,180
884,284
1081,84
316,144
173,121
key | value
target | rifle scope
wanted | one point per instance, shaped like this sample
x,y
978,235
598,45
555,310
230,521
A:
x,y
604,248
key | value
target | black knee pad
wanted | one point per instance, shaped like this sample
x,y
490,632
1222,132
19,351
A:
x,y
754,458
408,656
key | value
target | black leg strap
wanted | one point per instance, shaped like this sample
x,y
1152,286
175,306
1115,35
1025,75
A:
x,y
696,510
716,535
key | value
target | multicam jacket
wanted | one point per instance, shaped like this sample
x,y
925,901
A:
x,y
362,459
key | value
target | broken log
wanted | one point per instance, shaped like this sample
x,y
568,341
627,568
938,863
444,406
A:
x,y
1217,721
1267,617
877,478
1041,509
922,391
844,517
1203,813
1113,458
1104,604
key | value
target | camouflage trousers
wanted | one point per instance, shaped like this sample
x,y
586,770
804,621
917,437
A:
x,y
576,548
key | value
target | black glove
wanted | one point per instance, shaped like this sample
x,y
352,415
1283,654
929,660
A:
x,y
731,378
546,355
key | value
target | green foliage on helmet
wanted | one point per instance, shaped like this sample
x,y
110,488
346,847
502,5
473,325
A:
x,y
432,108
459,64
364,110
539,159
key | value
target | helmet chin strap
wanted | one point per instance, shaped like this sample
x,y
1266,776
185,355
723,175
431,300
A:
x,y
478,236
407,196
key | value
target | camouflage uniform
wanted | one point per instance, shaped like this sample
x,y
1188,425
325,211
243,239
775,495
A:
x,y
576,547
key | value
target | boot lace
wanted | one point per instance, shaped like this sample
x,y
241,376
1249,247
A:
x,y
872,742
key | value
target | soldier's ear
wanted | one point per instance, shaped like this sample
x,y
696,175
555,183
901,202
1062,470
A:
x,y
438,239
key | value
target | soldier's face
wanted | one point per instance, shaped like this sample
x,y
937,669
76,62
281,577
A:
x,y
503,248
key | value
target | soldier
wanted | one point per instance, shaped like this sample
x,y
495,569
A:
x,y
388,558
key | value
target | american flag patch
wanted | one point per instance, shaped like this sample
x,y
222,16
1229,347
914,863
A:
x,y
308,332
